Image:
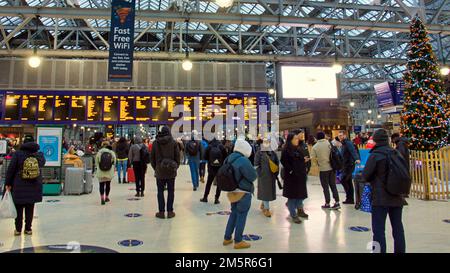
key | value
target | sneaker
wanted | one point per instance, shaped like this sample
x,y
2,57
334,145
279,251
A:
x,y
17,233
262,206
204,200
28,232
216,202
107,199
202,179
170,214
160,215
326,206
195,189
267,213
142,194
103,202
348,202
336,206
242,245
296,220
227,242
301,213
137,195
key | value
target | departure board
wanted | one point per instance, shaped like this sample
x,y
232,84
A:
x,y
111,108
143,104
222,103
205,107
94,108
78,108
127,105
29,107
235,100
189,106
12,107
159,108
62,104
251,108
173,101
45,109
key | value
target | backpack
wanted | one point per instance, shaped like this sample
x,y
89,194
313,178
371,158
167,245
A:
x,y
336,159
192,148
30,168
167,165
106,161
226,180
144,155
398,179
215,156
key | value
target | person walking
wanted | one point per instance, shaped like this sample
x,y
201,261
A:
x,y
241,198
203,160
122,150
165,160
24,181
105,162
384,203
194,150
293,160
215,155
137,151
267,168
320,154
351,159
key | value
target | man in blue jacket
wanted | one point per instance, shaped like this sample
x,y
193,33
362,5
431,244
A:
x,y
351,159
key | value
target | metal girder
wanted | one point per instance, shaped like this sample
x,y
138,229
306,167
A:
x,y
231,18
17,29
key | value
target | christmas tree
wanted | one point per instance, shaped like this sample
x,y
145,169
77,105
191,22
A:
x,y
424,114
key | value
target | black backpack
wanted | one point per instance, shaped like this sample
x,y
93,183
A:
x,y
215,156
336,159
226,180
144,154
398,178
192,147
106,161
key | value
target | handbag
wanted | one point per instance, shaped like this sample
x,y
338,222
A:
x,y
7,208
274,168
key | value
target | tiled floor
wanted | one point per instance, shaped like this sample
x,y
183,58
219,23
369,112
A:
x,y
82,219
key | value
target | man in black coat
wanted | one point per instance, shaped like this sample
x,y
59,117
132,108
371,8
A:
x,y
165,160
384,203
27,192
351,159
215,155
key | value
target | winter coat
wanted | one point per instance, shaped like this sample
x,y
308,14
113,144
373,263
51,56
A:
x,y
349,153
402,147
215,143
104,175
165,147
375,172
74,160
306,153
122,150
195,158
203,150
321,153
24,191
293,161
266,178
244,171
134,155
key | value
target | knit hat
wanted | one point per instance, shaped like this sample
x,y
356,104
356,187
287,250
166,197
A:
x,y
28,138
381,137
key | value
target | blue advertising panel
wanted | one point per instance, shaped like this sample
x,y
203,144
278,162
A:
x,y
384,94
357,129
50,144
121,41
398,92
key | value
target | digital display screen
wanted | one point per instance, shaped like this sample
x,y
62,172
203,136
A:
x,y
189,106
45,110
159,109
205,107
94,108
143,105
111,108
222,102
251,108
12,107
127,108
29,107
78,108
171,103
62,108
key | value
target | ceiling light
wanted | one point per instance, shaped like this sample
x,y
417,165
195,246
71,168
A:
x,y
445,70
352,104
187,65
224,3
337,67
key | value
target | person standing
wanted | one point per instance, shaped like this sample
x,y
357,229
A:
x,y
320,154
105,162
384,203
351,159
122,150
194,150
267,166
24,181
293,160
203,161
165,160
215,155
137,150
241,198
401,145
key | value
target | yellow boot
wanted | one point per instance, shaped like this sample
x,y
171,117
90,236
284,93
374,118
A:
x,y
227,242
267,213
242,245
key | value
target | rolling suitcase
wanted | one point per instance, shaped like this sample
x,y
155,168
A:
x,y
74,181
88,181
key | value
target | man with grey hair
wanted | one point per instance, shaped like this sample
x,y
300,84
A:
x,y
139,166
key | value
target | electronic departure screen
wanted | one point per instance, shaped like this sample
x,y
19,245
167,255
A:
x,y
173,101
143,105
29,107
111,108
251,108
94,108
62,108
127,108
78,108
45,109
189,106
159,109
205,107
222,103
12,107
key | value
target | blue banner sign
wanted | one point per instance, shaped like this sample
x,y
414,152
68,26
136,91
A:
x,y
121,41
384,94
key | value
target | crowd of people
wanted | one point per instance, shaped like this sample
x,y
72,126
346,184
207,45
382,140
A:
x,y
250,161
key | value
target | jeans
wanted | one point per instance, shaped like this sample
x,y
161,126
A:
x,y
347,182
29,214
266,204
328,181
379,215
122,168
212,172
293,205
194,166
238,217
202,169
105,186
139,174
161,183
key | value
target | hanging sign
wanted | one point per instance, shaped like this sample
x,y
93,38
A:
x,y
121,41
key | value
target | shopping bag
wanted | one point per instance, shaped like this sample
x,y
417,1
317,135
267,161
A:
x,y
130,174
366,199
7,208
